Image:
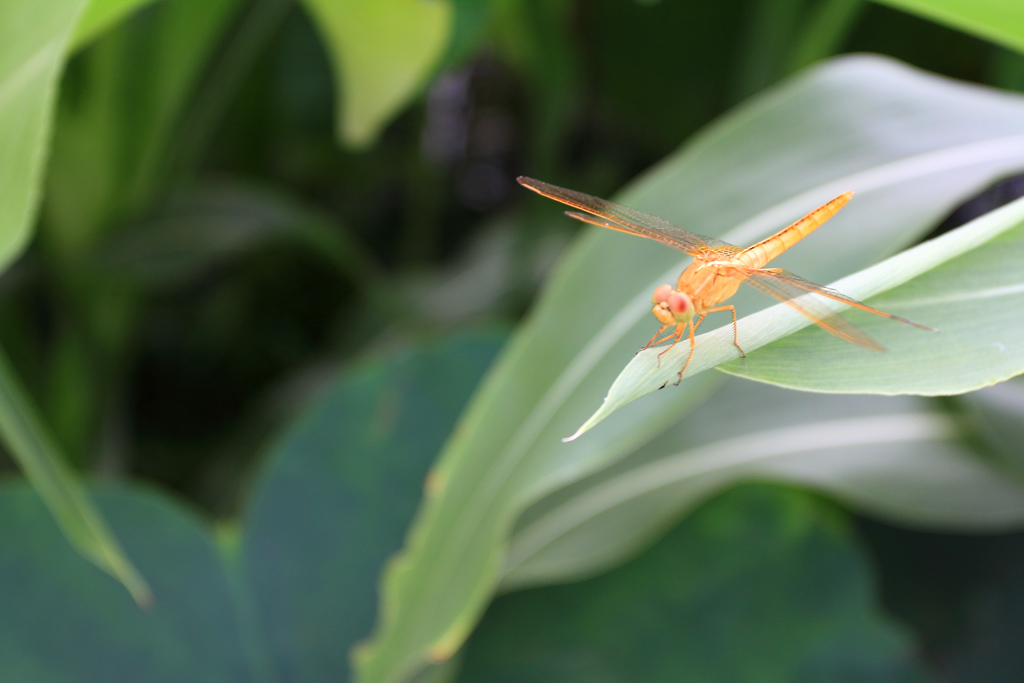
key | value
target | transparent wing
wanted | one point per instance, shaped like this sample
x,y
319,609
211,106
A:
x,y
798,293
625,219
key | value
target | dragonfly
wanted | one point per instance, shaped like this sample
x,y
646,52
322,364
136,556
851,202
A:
x,y
719,268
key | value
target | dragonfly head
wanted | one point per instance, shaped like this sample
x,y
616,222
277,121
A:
x,y
671,306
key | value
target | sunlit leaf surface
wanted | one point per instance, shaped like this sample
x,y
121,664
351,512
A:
x,y
35,37
963,283
900,458
913,146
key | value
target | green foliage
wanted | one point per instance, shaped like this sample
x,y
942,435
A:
x,y
337,495
898,458
974,348
998,20
207,256
100,15
35,39
115,140
383,51
29,66
34,449
695,608
63,620
751,169
287,598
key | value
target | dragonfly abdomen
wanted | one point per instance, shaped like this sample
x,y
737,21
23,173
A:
x,y
760,254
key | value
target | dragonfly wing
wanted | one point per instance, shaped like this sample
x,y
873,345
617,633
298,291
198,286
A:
x,y
799,293
599,222
625,219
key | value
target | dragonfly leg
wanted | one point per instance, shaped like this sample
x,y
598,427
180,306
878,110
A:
x,y
693,347
652,342
676,336
735,332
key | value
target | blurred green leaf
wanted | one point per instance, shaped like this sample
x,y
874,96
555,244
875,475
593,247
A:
x,y
974,266
536,36
825,32
64,621
100,15
203,227
116,130
760,585
1001,21
338,494
287,598
913,145
382,52
894,457
998,412
35,37
33,449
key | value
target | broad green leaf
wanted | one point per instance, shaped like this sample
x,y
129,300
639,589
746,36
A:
x,y
33,449
912,145
337,495
962,283
895,457
64,621
1001,21
762,584
35,38
291,591
100,15
382,52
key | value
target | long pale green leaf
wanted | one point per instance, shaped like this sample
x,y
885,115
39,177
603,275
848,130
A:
x,y
912,145
34,451
34,37
972,279
1001,21
382,52
897,457
970,298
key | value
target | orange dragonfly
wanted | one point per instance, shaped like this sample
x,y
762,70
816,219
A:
x,y
718,269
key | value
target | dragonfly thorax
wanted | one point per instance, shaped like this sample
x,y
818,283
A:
x,y
672,306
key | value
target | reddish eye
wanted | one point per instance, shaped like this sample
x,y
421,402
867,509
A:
x,y
681,307
679,303
662,293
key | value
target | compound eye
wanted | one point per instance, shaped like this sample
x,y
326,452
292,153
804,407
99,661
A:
x,y
680,306
662,293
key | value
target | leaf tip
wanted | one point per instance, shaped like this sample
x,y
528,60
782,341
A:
x,y
576,435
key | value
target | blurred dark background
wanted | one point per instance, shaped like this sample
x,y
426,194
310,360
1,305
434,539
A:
x,y
220,250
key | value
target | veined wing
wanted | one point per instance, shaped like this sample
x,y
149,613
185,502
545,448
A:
x,y
624,219
797,292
